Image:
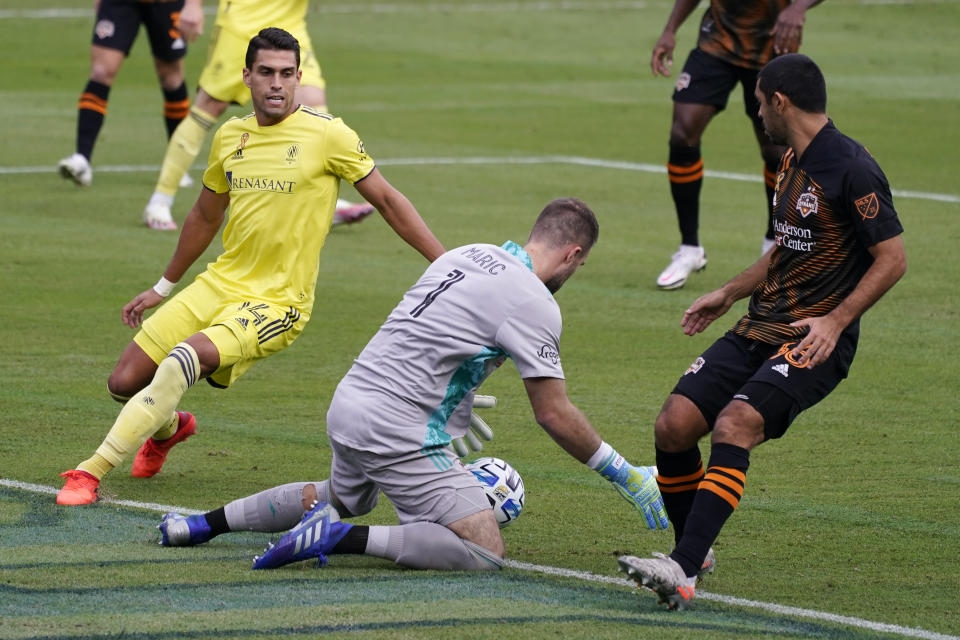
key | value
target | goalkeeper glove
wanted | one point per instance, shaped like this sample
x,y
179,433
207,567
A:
x,y
638,485
479,429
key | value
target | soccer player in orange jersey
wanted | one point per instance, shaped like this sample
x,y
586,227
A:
x,y
736,38
838,249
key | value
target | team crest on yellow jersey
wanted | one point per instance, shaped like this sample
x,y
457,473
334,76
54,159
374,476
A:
x,y
807,203
293,154
243,143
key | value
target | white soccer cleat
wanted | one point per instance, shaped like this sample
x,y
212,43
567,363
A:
x,y
685,261
662,575
77,168
348,213
157,217
186,181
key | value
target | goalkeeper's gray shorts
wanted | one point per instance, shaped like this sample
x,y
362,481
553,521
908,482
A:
x,y
430,485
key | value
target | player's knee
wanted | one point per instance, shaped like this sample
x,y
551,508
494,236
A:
x,y
170,77
120,386
739,424
103,74
683,136
491,540
679,426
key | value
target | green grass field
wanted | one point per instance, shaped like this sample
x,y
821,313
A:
x,y
480,113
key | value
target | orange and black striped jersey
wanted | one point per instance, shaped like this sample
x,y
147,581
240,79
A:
x,y
738,31
830,206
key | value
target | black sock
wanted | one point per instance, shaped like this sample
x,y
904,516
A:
x,y
678,476
217,521
355,540
176,107
717,498
91,110
685,170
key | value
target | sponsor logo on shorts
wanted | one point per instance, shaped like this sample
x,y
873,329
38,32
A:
x,y
683,81
546,352
178,44
782,369
867,206
696,366
104,29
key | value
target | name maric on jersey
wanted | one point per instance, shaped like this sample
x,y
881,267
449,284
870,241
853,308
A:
x,y
241,183
791,237
485,261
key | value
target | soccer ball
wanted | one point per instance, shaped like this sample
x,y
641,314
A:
x,y
503,485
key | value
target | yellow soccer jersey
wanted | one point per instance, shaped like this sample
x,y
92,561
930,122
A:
x,y
283,182
246,17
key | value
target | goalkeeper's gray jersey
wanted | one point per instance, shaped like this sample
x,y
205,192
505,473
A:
x,y
412,386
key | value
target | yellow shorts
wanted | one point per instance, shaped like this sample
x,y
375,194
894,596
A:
x,y
222,75
243,331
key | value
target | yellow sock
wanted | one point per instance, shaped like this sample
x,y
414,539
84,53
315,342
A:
x,y
97,466
182,149
151,410
166,431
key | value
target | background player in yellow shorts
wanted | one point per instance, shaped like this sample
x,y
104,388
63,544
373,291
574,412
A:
x,y
221,84
258,295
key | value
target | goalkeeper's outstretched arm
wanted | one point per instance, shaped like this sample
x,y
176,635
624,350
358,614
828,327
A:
x,y
569,428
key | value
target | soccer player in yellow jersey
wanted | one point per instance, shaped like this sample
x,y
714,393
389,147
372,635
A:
x,y
220,85
279,170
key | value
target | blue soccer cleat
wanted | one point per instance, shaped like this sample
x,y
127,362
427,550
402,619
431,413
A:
x,y
183,531
317,534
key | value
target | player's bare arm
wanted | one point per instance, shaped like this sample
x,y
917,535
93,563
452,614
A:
x,y
400,214
788,30
711,306
889,265
191,20
662,58
565,423
199,229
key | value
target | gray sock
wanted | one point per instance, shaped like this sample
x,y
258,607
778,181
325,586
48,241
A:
x,y
276,509
427,545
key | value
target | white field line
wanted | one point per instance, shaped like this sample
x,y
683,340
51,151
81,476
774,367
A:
x,y
809,614
482,160
442,7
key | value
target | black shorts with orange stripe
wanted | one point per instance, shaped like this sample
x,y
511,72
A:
x,y
118,22
707,79
765,376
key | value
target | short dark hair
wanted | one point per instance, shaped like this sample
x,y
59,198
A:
x,y
272,39
566,221
797,77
